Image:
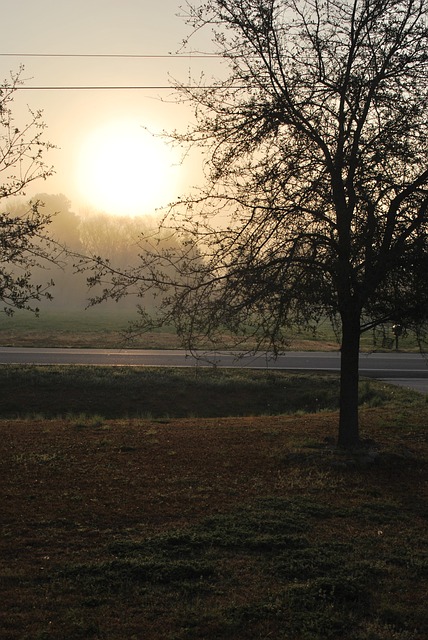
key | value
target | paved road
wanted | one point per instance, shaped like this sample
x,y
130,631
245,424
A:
x,y
401,368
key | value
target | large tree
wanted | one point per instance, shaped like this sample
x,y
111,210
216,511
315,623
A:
x,y
317,182
25,244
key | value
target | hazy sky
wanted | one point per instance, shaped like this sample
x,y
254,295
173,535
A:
x,y
76,118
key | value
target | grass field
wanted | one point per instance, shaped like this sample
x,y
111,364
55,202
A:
x,y
117,392
141,525
102,327
99,328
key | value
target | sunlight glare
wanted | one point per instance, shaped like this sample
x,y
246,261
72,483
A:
x,y
124,170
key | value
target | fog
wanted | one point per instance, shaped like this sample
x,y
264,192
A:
x,y
89,232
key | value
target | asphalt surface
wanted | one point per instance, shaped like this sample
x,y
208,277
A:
x,y
406,369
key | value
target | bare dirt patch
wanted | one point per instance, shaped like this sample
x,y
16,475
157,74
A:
x,y
74,495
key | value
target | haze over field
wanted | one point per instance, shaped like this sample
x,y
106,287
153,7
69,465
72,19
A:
x,y
113,170
107,158
91,232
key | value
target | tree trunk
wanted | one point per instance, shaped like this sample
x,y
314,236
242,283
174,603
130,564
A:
x,y
349,375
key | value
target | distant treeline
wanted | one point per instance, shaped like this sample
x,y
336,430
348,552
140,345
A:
x,y
116,238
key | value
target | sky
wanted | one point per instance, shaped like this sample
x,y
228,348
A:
x,y
101,134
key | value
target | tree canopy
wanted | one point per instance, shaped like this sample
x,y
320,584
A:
x,y
316,194
25,244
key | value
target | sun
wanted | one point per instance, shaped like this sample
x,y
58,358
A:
x,y
124,170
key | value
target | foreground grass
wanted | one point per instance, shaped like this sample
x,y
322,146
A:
x,y
238,528
114,392
124,515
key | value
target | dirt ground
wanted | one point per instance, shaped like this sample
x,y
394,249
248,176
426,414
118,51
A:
x,y
67,487
138,471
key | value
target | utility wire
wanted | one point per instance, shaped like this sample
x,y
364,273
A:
x,y
111,55
111,88
187,56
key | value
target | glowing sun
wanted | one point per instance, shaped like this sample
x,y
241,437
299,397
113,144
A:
x,y
124,170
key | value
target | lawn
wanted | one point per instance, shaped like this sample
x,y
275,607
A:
x,y
102,328
105,328
171,528
161,392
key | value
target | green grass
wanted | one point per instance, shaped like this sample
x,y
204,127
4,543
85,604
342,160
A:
x,y
113,392
141,529
319,588
96,328
104,327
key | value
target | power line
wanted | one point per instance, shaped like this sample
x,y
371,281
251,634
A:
x,y
111,88
97,88
112,55
187,56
